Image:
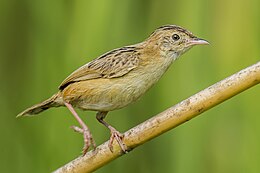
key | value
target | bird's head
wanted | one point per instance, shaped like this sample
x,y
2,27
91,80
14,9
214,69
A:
x,y
173,40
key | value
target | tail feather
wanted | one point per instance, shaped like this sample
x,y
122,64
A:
x,y
36,109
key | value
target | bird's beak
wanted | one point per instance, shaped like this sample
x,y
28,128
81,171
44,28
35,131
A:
x,y
198,41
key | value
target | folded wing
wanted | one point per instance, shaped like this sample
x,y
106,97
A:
x,y
113,64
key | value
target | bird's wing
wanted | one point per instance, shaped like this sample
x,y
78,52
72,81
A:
x,y
113,64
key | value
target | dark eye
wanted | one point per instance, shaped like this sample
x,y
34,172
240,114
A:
x,y
175,37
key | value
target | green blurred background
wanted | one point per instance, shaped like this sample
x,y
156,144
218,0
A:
x,y
44,41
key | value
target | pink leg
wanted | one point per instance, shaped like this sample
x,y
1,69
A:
x,y
114,133
88,140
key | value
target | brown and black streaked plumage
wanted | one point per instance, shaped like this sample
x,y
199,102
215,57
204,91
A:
x,y
115,63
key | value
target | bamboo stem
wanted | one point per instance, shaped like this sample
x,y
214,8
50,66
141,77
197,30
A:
x,y
168,119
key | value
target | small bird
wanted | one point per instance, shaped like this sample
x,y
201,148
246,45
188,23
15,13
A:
x,y
118,78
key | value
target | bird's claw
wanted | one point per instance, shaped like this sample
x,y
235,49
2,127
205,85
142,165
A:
x,y
77,129
88,139
118,136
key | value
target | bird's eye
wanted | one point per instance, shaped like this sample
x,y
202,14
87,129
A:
x,y
175,37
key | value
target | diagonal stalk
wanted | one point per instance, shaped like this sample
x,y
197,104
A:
x,y
168,119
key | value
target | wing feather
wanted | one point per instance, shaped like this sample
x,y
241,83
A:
x,y
113,64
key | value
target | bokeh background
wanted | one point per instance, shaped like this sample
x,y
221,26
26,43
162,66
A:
x,y
44,41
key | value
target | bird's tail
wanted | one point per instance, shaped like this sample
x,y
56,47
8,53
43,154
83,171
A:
x,y
54,101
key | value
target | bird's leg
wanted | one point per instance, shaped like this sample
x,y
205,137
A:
x,y
114,133
88,139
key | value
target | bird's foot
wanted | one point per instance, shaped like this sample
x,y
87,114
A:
x,y
88,139
118,136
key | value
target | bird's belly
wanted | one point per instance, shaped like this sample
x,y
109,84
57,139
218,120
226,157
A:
x,y
107,94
